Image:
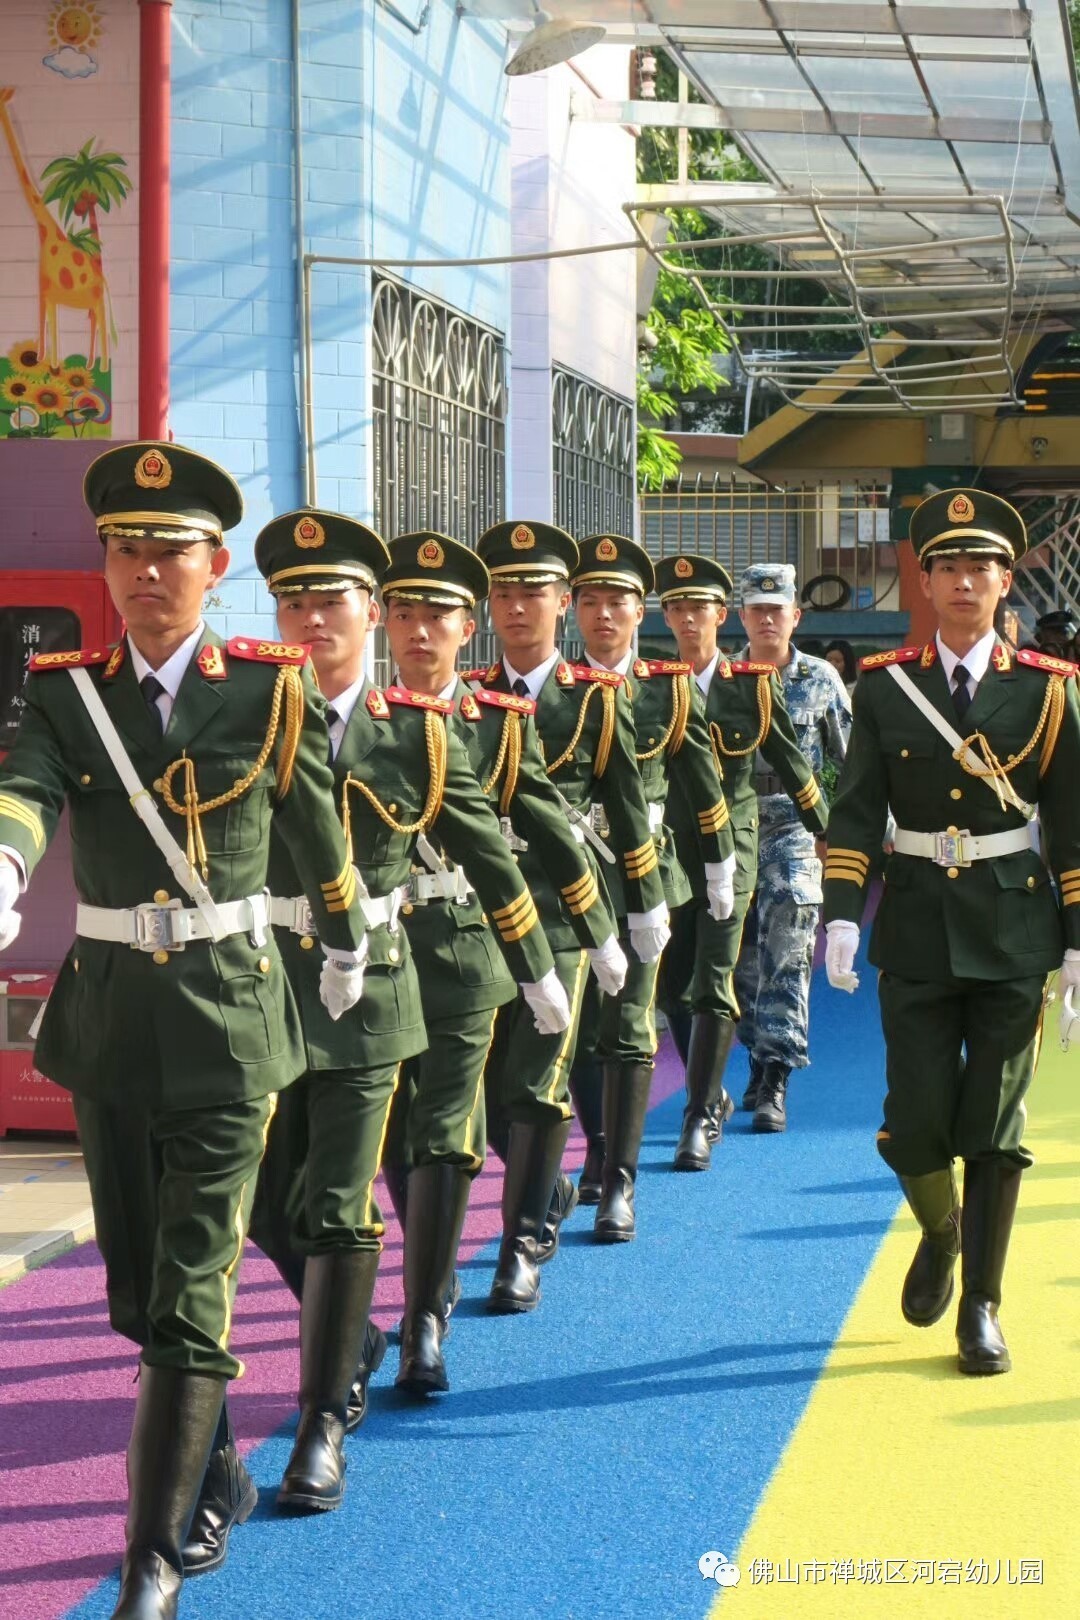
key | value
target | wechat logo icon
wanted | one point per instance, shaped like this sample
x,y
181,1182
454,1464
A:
x,y
715,1566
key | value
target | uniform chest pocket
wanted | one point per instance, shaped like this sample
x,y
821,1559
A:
x,y
1026,915
477,957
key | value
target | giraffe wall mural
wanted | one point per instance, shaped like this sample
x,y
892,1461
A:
x,y
68,223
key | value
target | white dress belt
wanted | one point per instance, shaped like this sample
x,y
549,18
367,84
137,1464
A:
x,y
962,847
169,928
294,913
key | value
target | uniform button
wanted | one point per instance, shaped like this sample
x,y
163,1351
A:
x,y
264,964
651,741
161,897
1031,882
954,871
483,918
307,943
951,829
391,809
738,736
903,753
956,793
159,784
393,954
85,780
75,964
161,957
407,909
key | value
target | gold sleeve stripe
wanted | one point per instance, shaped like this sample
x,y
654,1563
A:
x,y
580,900
643,849
1072,898
510,932
509,913
340,880
574,891
1063,877
341,898
27,817
715,817
808,796
841,876
639,862
1072,887
850,866
856,856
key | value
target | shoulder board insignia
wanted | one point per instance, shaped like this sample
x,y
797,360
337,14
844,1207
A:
x,y
493,672
668,666
1034,660
892,655
377,705
76,658
564,674
210,663
746,666
418,700
508,700
116,661
605,677
268,652
468,675
723,668
468,708
641,669
1001,658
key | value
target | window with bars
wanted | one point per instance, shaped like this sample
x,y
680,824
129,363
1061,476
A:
x,y
593,437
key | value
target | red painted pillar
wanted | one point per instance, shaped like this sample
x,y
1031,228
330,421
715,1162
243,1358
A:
x,y
154,57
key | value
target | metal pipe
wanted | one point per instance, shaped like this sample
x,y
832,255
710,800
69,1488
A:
x,y
303,285
154,60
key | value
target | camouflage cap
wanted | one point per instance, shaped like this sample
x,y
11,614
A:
x,y
767,582
611,559
687,575
430,567
313,550
971,522
155,491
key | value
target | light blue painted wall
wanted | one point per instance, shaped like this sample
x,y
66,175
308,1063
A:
x,y
406,155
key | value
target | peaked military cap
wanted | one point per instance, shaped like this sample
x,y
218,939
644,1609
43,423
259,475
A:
x,y
1060,622
527,553
767,582
429,567
611,559
971,521
154,491
312,550
688,575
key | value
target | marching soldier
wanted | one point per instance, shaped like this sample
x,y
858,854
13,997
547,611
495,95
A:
x,y
402,782
772,979
463,979
744,706
618,1033
172,1021
965,741
586,731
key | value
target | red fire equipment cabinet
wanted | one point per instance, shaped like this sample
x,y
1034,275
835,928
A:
x,y
28,1102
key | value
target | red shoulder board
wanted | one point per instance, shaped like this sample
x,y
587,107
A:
x,y
1034,660
77,658
211,664
418,700
468,708
376,705
641,669
668,666
564,674
585,672
508,700
268,652
892,655
473,674
746,666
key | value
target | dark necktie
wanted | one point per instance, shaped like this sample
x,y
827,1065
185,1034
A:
x,y
521,687
151,689
332,718
961,691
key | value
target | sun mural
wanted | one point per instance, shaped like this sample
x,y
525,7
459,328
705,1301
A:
x,y
76,26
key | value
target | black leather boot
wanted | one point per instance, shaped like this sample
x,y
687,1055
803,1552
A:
x,y
396,1177
587,1091
564,1201
176,1418
680,1023
532,1164
371,1359
770,1113
928,1286
333,1318
750,1095
708,1105
626,1102
991,1189
438,1199
228,1497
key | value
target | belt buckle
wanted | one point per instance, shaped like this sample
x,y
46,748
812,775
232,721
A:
x,y
303,922
950,848
155,929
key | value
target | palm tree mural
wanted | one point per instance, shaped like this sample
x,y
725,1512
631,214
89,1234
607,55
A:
x,y
82,184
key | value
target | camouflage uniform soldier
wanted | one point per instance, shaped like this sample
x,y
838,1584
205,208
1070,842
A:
x,y
772,980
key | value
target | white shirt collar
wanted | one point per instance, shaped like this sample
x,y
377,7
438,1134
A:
x,y
535,679
449,691
704,677
175,666
620,668
343,706
976,660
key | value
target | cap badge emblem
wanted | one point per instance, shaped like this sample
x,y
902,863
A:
x,y
961,509
768,585
607,551
309,533
152,471
522,538
684,568
430,555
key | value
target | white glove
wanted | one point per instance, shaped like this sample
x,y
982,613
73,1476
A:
x,y
649,932
720,888
1068,985
10,921
841,943
610,965
341,982
548,1004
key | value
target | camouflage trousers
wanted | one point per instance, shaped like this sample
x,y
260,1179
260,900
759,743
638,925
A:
x,y
772,979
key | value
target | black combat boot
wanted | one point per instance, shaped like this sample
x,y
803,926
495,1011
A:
x,y
708,1105
753,1089
438,1199
564,1201
227,1498
333,1318
396,1177
587,1091
176,1418
626,1102
770,1112
680,1023
928,1286
991,1189
371,1359
532,1165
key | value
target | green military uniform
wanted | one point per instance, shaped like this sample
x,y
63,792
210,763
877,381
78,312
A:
x,y
745,711
966,932
614,1059
173,1042
438,1124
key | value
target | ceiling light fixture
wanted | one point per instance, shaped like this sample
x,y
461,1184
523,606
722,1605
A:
x,y
552,41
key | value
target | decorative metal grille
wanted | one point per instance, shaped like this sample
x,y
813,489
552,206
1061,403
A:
x,y
439,403
593,434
